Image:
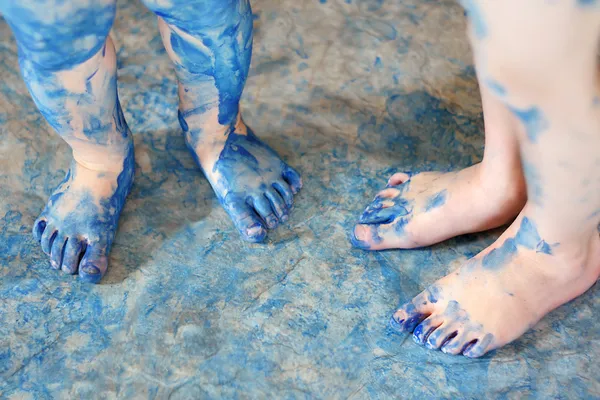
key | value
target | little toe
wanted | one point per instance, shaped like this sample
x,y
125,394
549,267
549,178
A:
x,y
38,228
72,255
263,208
48,238
292,177
57,251
285,191
94,263
425,329
277,204
248,223
479,347
407,317
398,179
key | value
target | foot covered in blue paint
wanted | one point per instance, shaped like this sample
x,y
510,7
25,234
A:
x,y
253,184
78,225
501,293
429,207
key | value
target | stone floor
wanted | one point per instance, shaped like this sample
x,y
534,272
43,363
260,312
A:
x,y
348,91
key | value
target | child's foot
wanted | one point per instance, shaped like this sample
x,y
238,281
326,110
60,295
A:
x,y
78,225
431,207
253,184
498,295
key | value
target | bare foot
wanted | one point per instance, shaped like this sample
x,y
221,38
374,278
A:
x,y
253,184
501,293
431,207
78,225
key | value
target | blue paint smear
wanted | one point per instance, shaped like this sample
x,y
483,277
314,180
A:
x,y
534,120
437,200
527,236
477,19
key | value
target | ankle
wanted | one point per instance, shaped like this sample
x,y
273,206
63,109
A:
x,y
104,158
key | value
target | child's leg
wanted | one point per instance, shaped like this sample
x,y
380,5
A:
x,y
70,69
539,57
210,42
430,207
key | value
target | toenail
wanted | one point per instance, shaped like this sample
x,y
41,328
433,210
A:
x,y
284,218
54,264
91,269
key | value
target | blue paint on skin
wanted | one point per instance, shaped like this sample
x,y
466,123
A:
x,y
527,237
535,191
252,183
476,16
534,120
587,3
437,200
496,87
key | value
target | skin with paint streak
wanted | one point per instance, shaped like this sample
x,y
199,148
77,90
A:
x,y
69,64
542,122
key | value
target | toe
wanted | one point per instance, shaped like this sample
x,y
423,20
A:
x,y
388,193
376,214
398,179
277,204
248,223
439,336
425,329
263,208
382,236
38,228
285,191
407,317
479,347
48,238
455,343
292,177
94,263
365,236
57,251
72,255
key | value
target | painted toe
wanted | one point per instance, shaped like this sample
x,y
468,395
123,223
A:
x,y
263,208
292,177
57,251
285,191
407,317
278,205
93,264
48,238
425,329
38,228
72,255
480,347
246,220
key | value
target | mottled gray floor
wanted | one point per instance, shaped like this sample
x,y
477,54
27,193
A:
x,y
349,92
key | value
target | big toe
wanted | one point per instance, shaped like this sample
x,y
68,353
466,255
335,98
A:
x,y
94,264
365,237
407,318
246,220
